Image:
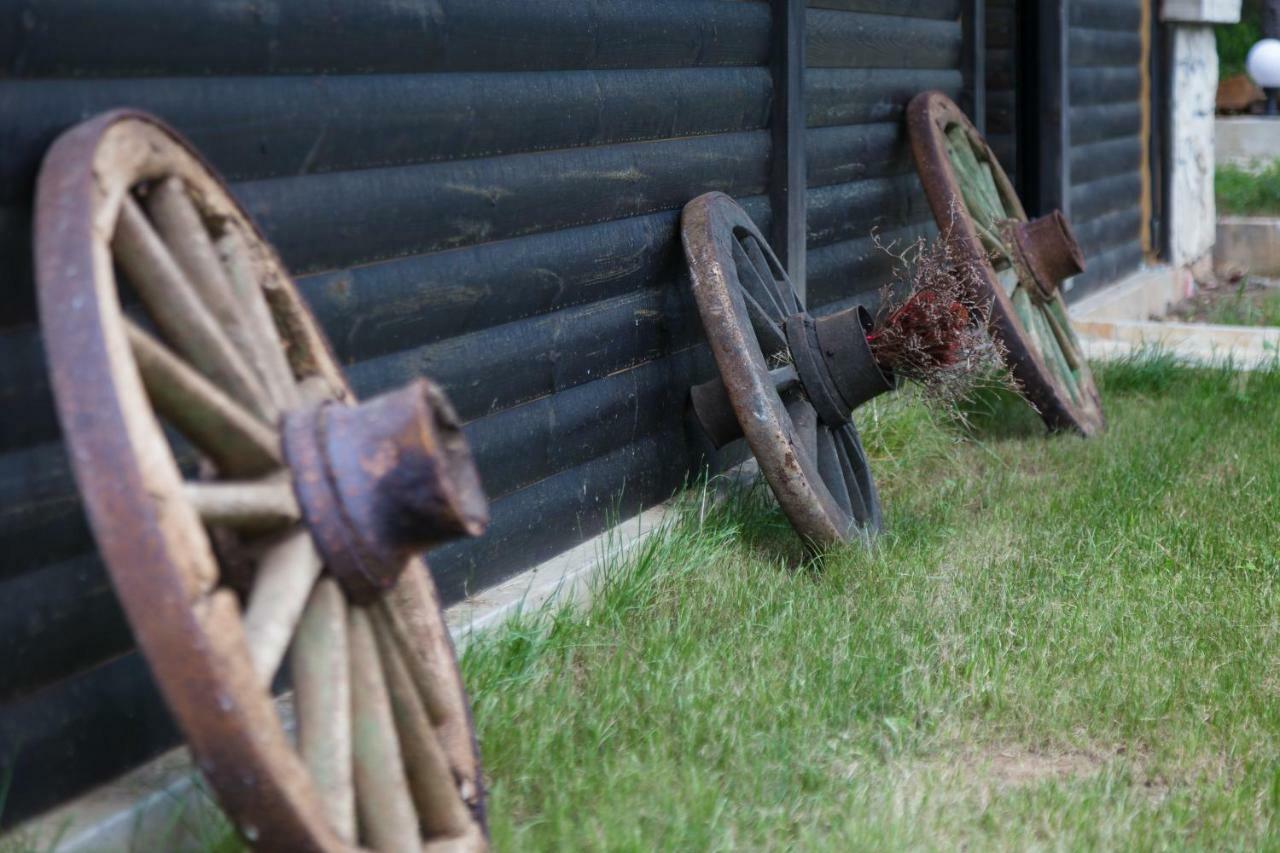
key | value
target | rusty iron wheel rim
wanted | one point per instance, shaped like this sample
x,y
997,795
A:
x,y
1044,354
819,473
178,547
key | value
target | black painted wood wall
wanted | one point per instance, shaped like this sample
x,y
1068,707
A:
x,y
486,192
861,176
1002,51
1104,55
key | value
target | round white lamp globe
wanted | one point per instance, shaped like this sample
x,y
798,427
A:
x,y
1263,64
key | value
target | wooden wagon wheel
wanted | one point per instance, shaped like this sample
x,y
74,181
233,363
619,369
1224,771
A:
x,y
1023,263
788,382
247,510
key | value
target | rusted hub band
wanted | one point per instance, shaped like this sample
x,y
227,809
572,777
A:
x,y
831,360
802,341
382,481
842,339
1048,249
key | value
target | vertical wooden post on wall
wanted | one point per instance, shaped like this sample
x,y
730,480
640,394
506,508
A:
x,y
1161,72
787,180
973,23
1150,134
1046,115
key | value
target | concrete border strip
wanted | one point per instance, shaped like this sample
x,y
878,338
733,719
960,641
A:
x,y
1117,323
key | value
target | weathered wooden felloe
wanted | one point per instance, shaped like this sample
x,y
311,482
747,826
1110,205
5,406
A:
x,y
221,537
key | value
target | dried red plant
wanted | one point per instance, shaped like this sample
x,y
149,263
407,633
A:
x,y
932,326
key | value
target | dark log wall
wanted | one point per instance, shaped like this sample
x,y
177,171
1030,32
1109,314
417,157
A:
x,y
862,181
1003,34
484,191
1104,50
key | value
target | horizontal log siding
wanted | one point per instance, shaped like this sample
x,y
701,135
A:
x,y
1104,56
487,192
1002,83
870,186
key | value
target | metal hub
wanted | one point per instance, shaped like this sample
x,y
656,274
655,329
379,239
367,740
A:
x,y
842,341
1048,250
381,482
829,358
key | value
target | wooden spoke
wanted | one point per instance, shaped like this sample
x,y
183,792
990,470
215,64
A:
x,y
853,462
286,573
433,698
320,663
1022,305
770,335
435,794
183,230
235,440
1008,278
257,505
1001,207
832,468
986,177
1053,352
387,818
784,379
993,243
1045,343
783,296
243,275
315,389
472,842
805,420
755,285
179,312
1061,325
418,630
982,201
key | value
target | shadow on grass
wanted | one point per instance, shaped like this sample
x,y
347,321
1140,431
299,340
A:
x,y
996,413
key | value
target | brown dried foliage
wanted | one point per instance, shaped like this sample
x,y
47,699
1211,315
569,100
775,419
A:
x,y
932,326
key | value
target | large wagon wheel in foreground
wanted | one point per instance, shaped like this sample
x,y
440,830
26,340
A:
x,y
248,511
1024,263
788,382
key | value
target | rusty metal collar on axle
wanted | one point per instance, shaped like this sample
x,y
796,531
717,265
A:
x,y
830,359
382,481
1047,249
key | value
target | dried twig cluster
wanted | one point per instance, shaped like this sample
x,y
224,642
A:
x,y
932,326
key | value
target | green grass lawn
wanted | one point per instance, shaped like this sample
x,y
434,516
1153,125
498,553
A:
x,y
1057,644
1241,192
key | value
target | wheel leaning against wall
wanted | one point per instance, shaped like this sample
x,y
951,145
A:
x,y
249,511
788,382
1024,263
